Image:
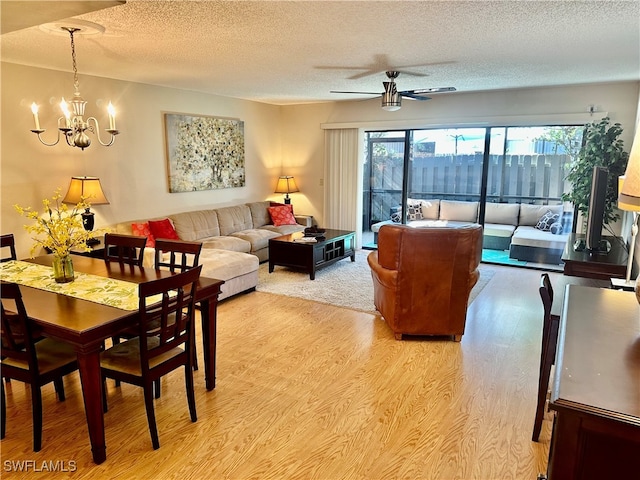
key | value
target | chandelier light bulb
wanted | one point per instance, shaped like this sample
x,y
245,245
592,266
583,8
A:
x,y
34,110
65,111
112,116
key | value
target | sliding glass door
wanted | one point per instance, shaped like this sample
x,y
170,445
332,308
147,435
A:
x,y
496,164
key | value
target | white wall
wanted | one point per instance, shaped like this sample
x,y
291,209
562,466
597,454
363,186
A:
x,y
287,140
133,171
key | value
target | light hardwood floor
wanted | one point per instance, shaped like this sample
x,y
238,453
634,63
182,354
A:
x,y
311,391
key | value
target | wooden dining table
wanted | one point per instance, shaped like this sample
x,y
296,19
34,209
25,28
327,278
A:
x,y
86,324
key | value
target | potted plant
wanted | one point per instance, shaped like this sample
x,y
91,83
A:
x,y
601,147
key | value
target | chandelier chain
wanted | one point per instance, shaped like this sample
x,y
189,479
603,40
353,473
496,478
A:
x,y
76,83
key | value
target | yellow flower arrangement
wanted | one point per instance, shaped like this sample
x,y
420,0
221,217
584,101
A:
x,y
59,229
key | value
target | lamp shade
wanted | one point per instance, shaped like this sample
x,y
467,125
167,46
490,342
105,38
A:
x,y
629,193
286,184
87,188
628,207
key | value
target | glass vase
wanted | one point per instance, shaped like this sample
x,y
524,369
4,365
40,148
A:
x,y
63,269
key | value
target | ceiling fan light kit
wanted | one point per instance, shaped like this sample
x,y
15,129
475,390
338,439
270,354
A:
x,y
391,101
392,98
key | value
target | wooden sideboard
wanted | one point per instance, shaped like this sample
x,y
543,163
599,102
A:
x,y
596,390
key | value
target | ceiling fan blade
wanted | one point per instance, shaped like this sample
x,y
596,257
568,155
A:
x,y
414,96
360,93
432,90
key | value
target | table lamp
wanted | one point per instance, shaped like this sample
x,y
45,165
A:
x,y
286,184
89,189
629,200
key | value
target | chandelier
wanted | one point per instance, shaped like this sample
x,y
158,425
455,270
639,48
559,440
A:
x,y
72,124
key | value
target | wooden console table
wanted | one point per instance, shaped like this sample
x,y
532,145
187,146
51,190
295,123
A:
x,y
596,392
601,266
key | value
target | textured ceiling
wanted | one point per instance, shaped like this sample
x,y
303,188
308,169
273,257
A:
x,y
296,52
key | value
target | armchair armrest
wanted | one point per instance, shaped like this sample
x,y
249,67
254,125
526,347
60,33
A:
x,y
387,278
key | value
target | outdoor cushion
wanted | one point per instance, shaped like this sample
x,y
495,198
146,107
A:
x,y
531,214
460,211
502,213
532,237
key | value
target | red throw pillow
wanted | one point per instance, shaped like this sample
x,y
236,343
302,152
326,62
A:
x,y
142,230
276,204
282,215
163,229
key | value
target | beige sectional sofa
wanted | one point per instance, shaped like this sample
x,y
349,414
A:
x,y
508,226
234,240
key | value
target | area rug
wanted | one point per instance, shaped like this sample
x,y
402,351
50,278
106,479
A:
x,y
345,283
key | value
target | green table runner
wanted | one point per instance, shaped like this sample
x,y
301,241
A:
x,y
106,291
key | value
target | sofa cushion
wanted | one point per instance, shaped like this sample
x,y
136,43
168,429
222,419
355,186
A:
x,y
531,214
284,229
194,226
234,219
225,264
226,243
281,215
257,237
502,213
459,211
142,230
260,214
163,229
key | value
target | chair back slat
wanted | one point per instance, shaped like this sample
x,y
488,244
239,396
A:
x,y
167,323
8,242
124,249
181,255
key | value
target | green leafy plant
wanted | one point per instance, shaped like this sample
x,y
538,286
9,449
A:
x,y
601,147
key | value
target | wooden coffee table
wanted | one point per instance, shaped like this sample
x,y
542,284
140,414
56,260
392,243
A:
x,y
310,257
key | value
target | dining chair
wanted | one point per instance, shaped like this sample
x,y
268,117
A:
x,y
28,361
167,305
177,255
550,326
173,255
7,241
127,249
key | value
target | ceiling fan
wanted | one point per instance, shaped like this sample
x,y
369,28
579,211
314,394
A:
x,y
392,98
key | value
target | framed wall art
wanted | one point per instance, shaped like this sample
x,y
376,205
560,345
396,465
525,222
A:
x,y
204,153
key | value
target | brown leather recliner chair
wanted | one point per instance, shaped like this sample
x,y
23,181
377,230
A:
x,y
422,277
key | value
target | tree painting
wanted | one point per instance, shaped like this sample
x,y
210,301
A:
x,y
204,153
